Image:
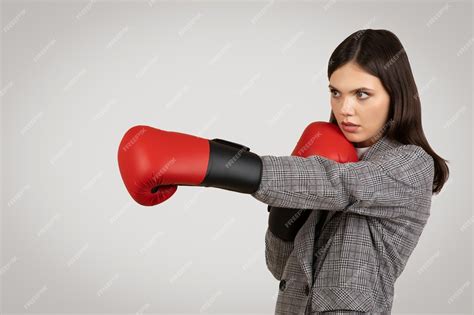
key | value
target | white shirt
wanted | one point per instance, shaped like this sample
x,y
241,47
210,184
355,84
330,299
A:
x,y
361,151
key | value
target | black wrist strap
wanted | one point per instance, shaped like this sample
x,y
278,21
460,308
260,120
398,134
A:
x,y
286,222
233,167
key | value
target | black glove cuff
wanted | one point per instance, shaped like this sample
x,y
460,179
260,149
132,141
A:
x,y
233,167
286,222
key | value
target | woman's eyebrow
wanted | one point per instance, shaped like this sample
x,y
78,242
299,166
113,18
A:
x,y
361,88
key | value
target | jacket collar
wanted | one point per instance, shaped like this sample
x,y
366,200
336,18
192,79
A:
x,y
379,147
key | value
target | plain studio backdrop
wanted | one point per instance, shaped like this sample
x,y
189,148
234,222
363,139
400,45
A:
x,y
77,74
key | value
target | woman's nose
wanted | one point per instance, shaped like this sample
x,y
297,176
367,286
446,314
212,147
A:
x,y
347,106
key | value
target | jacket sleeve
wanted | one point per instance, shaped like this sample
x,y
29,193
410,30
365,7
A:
x,y
277,252
387,186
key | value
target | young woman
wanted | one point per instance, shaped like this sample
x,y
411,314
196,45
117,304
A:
x,y
364,210
345,260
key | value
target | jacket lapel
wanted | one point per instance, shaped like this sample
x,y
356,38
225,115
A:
x,y
304,242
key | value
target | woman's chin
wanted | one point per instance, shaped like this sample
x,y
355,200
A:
x,y
357,141
352,137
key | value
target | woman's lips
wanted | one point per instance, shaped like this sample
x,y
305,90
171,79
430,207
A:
x,y
350,127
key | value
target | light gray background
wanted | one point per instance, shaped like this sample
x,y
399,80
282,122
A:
x,y
76,75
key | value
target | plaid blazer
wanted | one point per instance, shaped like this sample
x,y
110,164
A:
x,y
374,212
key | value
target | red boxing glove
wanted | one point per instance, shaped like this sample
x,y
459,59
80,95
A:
x,y
153,161
326,140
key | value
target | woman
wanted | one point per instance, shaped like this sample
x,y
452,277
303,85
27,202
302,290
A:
x,y
361,221
360,249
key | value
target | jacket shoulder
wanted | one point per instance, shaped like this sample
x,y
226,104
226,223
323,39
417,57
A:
x,y
397,149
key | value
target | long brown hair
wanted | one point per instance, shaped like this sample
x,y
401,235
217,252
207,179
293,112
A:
x,y
380,53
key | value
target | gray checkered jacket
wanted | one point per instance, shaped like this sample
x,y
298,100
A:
x,y
374,212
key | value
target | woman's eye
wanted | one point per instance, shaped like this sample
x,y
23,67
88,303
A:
x,y
332,92
362,92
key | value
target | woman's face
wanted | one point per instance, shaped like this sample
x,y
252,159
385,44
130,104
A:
x,y
358,97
